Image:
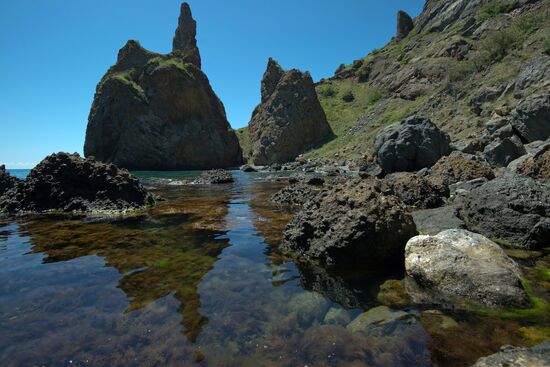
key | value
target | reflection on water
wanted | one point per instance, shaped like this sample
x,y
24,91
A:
x,y
197,280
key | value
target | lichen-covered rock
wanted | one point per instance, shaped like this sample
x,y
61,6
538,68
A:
x,y
459,167
405,25
159,112
531,118
66,182
354,223
512,208
6,180
214,177
538,356
419,191
289,120
410,145
457,266
538,165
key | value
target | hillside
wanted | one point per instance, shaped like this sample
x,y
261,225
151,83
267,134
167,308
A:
x,y
460,66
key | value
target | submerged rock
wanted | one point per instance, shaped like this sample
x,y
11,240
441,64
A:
x,y
458,266
308,307
410,145
513,209
377,317
214,177
353,223
337,316
289,120
66,182
538,356
6,180
159,112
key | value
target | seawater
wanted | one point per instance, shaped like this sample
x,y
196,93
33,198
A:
x,y
198,280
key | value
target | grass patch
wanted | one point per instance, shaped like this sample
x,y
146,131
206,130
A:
x,y
494,9
162,62
244,142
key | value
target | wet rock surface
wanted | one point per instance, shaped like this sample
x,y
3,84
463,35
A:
x,y
457,266
410,145
214,177
350,224
66,182
513,209
290,119
509,356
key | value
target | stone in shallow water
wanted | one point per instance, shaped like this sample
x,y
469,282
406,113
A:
x,y
337,316
378,317
308,307
538,356
394,294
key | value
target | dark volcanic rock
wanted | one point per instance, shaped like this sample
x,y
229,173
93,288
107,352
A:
x,y
410,145
513,209
353,223
433,221
537,166
294,194
290,119
501,152
538,356
185,39
159,112
419,191
459,167
67,182
531,118
214,177
405,25
458,266
6,180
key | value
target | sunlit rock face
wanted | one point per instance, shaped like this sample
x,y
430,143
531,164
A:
x,y
159,112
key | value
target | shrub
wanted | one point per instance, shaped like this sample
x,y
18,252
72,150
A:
x,y
327,91
363,72
348,96
375,94
546,46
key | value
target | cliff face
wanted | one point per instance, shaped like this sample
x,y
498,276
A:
x,y
463,64
159,112
289,120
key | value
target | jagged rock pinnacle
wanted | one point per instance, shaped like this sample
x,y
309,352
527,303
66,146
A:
x,y
405,25
272,76
185,41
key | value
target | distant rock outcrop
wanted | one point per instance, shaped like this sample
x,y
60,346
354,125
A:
x,y
6,180
289,120
405,25
66,182
159,112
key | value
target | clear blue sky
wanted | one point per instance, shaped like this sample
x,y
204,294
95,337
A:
x,y
54,52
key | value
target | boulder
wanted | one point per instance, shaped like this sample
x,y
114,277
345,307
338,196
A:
x,y
538,356
535,71
537,166
289,120
410,145
459,167
418,191
433,221
501,152
405,25
6,180
248,168
353,223
66,182
531,118
159,112
457,266
308,307
214,177
513,209
378,317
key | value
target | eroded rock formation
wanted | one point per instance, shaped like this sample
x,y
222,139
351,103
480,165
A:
x,y
159,112
289,120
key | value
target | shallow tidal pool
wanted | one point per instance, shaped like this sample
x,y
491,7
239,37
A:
x,y
197,280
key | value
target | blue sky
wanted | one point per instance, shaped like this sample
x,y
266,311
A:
x,y
54,52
